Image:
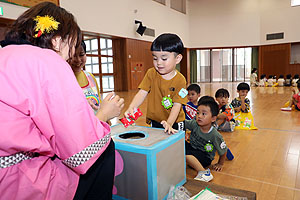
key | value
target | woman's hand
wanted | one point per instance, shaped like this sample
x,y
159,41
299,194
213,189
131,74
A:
x,y
111,107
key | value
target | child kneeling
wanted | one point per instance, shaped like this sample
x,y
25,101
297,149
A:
x,y
205,140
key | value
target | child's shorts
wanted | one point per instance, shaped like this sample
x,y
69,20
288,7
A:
x,y
227,126
200,155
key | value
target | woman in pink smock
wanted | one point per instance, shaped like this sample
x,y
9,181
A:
x,y
52,145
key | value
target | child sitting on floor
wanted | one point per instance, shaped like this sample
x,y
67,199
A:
x,y
205,140
241,103
190,108
270,81
225,121
295,79
295,99
262,81
288,80
280,81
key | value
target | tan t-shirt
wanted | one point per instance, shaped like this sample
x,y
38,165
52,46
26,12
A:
x,y
157,88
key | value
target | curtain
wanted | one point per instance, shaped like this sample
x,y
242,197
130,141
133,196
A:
x,y
193,66
254,58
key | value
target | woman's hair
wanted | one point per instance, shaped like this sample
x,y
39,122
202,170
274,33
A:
x,y
253,70
83,46
168,42
23,29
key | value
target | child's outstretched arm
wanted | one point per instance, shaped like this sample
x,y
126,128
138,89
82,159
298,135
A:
x,y
136,102
172,117
218,166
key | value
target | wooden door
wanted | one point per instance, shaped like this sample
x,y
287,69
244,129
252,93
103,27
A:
x,y
137,73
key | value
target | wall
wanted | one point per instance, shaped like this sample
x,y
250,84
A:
x,y
216,23
116,17
275,60
11,11
279,16
242,23
220,23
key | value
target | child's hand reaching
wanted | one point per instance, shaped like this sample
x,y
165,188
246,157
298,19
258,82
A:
x,y
217,167
129,111
168,127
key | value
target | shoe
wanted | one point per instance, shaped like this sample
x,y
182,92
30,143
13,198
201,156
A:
x,y
232,126
286,109
205,176
229,155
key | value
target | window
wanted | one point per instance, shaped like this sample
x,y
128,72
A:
x,y
216,65
179,5
99,61
161,1
203,65
295,2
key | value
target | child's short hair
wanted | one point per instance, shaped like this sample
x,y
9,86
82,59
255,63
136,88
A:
x,y
298,84
194,87
243,86
206,98
211,103
222,93
168,42
270,76
253,70
281,76
296,76
288,76
262,76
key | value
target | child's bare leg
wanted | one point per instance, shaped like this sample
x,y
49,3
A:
x,y
220,121
292,102
194,163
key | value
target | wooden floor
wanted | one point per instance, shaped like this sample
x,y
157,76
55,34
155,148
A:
x,y
266,160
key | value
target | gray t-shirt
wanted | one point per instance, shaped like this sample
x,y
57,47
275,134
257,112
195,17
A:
x,y
209,142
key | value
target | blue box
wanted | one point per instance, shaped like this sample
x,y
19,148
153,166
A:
x,y
151,164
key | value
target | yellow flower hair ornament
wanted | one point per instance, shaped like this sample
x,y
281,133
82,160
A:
x,y
44,24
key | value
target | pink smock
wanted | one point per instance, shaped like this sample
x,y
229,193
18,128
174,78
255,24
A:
x,y
43,111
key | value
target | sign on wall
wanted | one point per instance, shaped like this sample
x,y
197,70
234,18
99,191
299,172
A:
x,y
28,3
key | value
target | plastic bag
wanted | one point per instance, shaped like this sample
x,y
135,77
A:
x,y
244,121
178,193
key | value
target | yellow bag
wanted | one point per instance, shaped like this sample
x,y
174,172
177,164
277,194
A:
x,y
286,104
244,121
